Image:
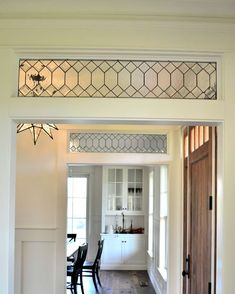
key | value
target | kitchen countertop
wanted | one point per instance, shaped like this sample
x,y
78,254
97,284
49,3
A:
x,y
122,234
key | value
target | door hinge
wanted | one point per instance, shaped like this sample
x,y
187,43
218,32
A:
x,y
209,288
210,202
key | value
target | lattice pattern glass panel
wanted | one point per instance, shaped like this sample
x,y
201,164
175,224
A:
x,y
118,143
117,78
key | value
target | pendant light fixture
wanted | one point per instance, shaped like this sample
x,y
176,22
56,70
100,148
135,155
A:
x,y
36,130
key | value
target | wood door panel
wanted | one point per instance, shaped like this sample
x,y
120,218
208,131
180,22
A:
x,y
200,227
197,215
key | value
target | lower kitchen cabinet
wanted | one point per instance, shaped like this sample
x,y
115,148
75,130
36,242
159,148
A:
x,y
124,251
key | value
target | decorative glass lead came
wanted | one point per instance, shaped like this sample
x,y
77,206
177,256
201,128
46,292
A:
x,y
117,79
118,143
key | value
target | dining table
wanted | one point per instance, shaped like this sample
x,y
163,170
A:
x,y
71,249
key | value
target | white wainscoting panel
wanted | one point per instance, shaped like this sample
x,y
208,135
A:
x,y
35,261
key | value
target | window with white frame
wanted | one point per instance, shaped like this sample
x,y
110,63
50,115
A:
x,y
118,78
163,220
77,190
150,214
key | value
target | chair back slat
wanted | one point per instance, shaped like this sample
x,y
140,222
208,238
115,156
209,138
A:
x,y
81,256
99,251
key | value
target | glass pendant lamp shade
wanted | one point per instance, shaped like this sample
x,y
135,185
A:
x,y
36,130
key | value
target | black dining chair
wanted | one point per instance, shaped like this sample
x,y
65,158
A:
x,y
75,270
71,238
91,268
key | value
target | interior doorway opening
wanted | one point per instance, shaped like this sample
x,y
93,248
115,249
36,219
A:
x,y
172,253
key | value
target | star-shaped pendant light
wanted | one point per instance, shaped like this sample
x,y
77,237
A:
x,y
36,130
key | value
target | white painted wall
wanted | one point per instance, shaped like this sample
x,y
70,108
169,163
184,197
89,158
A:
x,y
175,212
36,182
35,215
139,34
35,261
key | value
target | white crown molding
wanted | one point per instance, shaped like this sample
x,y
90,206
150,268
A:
x,y
113,54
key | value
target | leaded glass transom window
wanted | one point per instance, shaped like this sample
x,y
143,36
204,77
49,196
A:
x,y
117,78
118,143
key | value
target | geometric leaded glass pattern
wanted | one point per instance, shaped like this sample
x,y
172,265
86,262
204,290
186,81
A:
x,y
118,143
117,78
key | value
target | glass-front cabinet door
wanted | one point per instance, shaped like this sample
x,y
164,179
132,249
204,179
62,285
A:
x,y
115,189
134,189
124,189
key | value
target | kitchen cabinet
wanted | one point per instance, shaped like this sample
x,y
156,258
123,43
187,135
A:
x,y
114,188
123,190
124,252
134,189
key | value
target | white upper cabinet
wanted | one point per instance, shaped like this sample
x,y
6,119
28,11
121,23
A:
x,y
134,189
115,189
123,190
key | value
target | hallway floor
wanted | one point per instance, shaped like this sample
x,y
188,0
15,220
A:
x,y
119,282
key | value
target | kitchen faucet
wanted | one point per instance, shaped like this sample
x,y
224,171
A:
x,y
123,222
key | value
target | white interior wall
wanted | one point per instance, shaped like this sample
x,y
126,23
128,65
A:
x,y
35,214
175,213
36,182
139,34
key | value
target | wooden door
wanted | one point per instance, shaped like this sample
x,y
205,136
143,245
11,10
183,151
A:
x,y
198,211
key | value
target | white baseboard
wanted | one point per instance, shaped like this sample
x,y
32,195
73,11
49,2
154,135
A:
x,y
154,282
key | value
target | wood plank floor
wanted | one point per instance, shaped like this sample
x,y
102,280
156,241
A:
x,y
119,282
